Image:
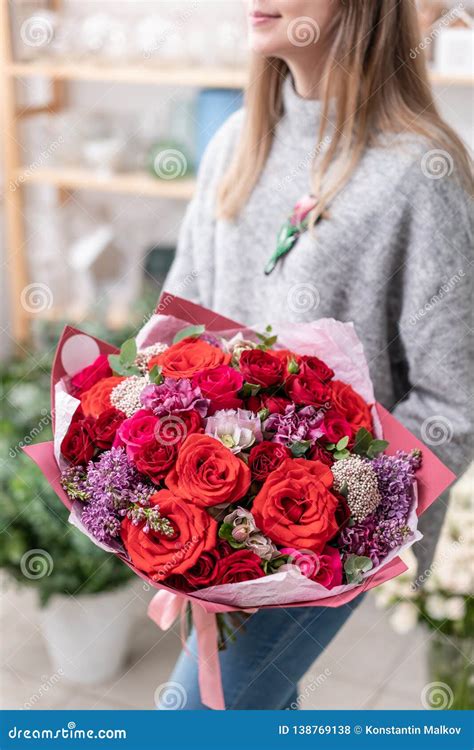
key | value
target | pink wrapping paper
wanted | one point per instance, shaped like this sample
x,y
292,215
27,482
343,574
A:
x,y
338,345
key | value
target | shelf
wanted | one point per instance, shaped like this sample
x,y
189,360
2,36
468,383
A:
x,y
164,75
86,179
449,80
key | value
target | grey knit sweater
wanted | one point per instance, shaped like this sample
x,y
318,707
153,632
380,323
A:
x,y
394,257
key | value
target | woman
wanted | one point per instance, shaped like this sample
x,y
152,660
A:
x,y
338,108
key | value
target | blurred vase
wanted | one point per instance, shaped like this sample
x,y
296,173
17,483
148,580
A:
x,y
451,672
87,636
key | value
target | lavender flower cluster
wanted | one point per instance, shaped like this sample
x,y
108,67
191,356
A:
x,y
111,488
386,528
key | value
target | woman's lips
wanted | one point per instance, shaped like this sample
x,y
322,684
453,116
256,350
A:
x,y
257,18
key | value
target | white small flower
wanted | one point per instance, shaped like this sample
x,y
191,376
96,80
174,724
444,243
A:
x,y
455,608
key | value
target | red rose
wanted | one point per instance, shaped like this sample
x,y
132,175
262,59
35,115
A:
x,y
207,473
241,565
318,453
350,405
91,375
328,568
106,426
173,429
274,404
343,512
265,458
78,443
261,368
313,366
155,460
296,507
160,556
203,573
307,389
97,399
335,427
187,357
221,386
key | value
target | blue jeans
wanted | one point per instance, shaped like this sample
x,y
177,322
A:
x,y
261,669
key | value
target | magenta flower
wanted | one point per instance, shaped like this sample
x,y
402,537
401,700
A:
x,y
174,396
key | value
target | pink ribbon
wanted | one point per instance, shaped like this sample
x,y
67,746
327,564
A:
x,y
164,609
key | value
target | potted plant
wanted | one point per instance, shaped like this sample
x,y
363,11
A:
x,y
85,593
441,599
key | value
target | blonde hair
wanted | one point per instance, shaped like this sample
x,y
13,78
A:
x,y
379,82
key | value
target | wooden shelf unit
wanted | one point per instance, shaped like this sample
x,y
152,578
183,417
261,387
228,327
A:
x,y
61,72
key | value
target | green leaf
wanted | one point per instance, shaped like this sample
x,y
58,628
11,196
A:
x,y
128,352
330,446
189,332
363,440
249,389
355,566
225,531
155,375
299,448
339,455
263,414
376,447
122,368
342,443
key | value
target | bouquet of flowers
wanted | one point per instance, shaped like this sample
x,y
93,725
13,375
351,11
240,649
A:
x,y
235,469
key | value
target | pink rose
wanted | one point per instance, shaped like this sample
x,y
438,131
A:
x,y
89,376
325,568
220,385
137,431
302,209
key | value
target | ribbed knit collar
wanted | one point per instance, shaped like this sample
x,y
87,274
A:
x,y
301,117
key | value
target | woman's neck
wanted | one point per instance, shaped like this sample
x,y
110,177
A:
x,y
306,78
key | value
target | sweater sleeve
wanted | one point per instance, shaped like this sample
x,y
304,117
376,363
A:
x,y
192,272
435,327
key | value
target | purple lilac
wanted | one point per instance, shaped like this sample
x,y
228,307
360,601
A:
x,y
111,485
293,426
174,396
386,528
